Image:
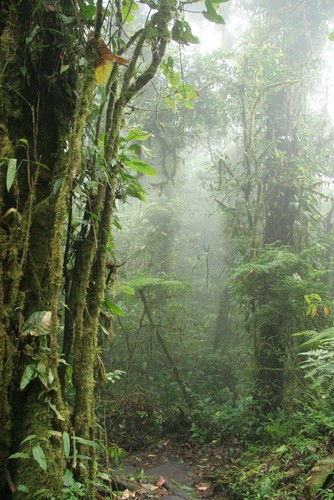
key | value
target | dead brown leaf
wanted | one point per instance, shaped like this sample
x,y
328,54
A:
x,y
161,482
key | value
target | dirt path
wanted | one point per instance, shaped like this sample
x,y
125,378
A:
x,y
173,471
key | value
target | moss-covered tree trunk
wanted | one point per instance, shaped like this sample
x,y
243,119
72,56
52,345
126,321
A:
x,y
53,270
36,109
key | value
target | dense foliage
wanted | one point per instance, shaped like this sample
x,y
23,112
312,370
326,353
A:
x,y
166,243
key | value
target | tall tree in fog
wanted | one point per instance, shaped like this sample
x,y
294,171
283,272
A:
x,y
288,170
272,166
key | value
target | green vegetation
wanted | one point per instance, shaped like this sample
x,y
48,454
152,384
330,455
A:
x,y
166,235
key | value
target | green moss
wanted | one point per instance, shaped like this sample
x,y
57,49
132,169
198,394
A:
x,y
9,47
39,421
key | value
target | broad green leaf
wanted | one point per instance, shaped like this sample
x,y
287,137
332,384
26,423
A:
x,y
88,11
173,77
37,324
189,105
141,166
19,454
188,91
63,68
309,309
42,373
128,8
24,141
66,444
112,307
213,17
182,33
57,412
211,14
117,224
137,135
23,488
331,37
136,148
39,456
11,172
136,191
28,375
315,296
307,299
68,479
128,290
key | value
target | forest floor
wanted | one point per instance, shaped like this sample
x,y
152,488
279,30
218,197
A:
x,y
174,471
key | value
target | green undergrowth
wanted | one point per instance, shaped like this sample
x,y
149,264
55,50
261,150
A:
x,y
284,462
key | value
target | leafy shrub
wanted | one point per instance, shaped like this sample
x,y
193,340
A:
x,y
224,421
132,420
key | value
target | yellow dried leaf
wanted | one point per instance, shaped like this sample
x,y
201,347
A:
x,y
102,72
326,311
104,63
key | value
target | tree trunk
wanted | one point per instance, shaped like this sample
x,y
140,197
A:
x,y
46,96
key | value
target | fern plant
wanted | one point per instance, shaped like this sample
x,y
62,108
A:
x,y
319,360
